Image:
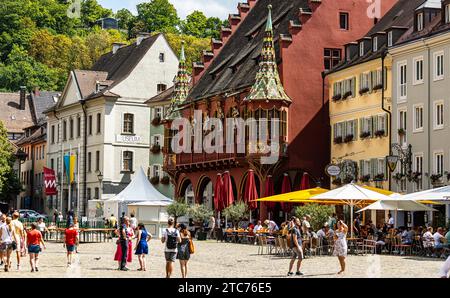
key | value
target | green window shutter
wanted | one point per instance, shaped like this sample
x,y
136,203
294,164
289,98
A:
x,y
361,168
355,129
373,167
375,123
370,81
361,125
354,87
386,174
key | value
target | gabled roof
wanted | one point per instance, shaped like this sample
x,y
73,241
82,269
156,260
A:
x,y
14,119
36,136
164,96
400,15
42,101
236,65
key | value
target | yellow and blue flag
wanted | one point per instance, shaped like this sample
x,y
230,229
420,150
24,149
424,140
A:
x,y
69,164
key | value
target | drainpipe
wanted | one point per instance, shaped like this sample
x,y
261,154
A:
x,y
383,107
83,106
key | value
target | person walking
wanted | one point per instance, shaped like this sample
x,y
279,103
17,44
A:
x,y
142,239
7,242
340,244
212,227
171,237
184,252
34,241
124,252
296,246
70,242
2,223
19,237
133,222
41,227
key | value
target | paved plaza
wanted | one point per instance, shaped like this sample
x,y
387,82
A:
x,y
220,260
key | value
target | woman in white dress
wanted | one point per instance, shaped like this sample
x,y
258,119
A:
x,y
340,244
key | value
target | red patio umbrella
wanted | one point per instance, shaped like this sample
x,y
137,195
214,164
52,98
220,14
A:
x,y
306,182
268,192
285,188
227,194
218,191
250,193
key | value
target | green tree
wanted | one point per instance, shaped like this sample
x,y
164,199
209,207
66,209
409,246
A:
x,y
126,19
214,26
193,46
236,212
91,12
199,213
177,209
195,24
158,16
319,214
9,183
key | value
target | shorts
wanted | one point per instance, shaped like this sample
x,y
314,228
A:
x,y
34,249
170,256
71,248
297,253
5,247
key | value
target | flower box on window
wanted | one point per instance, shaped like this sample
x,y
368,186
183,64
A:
x,y
154,180
338,140
415,176
398,176
365,178
379,177
347,94
156,121
364,135
337,97
435,179
380,133
349,138
377,87
363,91
155,149
165,180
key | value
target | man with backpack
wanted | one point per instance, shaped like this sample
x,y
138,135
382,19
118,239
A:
x,y
295,243
171,237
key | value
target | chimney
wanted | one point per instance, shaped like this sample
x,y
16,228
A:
x,y
23,91
141,36
116,46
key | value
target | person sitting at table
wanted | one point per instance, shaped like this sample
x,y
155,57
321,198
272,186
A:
x,y
406,237
363,233
371,228
447,237
438,241
306,226
271,225
380,241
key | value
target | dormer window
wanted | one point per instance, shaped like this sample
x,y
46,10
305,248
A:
x,y
375,44
390,38
419,20
361,48
447,14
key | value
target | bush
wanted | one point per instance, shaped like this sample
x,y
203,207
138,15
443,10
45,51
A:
x,y
199,213
177,209
236,212
319,214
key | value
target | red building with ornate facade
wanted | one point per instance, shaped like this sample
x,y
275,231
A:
x,y
268,65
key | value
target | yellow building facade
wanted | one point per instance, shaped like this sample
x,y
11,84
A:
x,y
360,126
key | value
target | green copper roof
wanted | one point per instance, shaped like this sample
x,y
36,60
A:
x,y
268,84
181,87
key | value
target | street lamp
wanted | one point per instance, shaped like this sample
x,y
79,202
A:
x,y
100,179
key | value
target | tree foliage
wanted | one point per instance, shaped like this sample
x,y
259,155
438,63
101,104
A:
x,y
199,213
193,46
319,214
158,16
177,209
236,212
198,25
9,184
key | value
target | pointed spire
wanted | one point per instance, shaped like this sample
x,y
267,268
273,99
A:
x,y
268,84
181,86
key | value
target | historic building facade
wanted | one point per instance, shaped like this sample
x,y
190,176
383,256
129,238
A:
x,y
421,101
102,118
231,82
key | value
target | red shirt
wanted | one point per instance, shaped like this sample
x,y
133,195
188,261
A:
x,y
71,236
34,237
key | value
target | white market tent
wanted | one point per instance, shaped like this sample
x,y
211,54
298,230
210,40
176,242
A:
x,y
397,205
435,194
140,190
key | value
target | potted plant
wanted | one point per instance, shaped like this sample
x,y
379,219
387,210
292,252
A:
x,y
155,149
165,180
349,138
236,212
338,140
177,209
363,90
398,176
337,97
154,180
156,121
365,178
347,94
364,135
380,133
379,177
377,87
401,132
200,213
436,179
415,176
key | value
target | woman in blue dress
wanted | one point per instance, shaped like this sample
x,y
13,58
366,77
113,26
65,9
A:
x,y
142,239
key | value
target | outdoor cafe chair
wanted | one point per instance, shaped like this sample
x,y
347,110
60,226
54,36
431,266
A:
x,y
401,248
370,246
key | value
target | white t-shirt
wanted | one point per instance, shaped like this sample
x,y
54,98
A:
x,y
41,227
437,237
171,230
445,268
391,221
133,222
6,234
257,228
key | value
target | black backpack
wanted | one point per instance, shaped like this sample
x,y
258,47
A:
x,y
171,239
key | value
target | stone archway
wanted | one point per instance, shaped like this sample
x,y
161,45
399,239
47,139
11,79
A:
x,y
186,192
205,192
